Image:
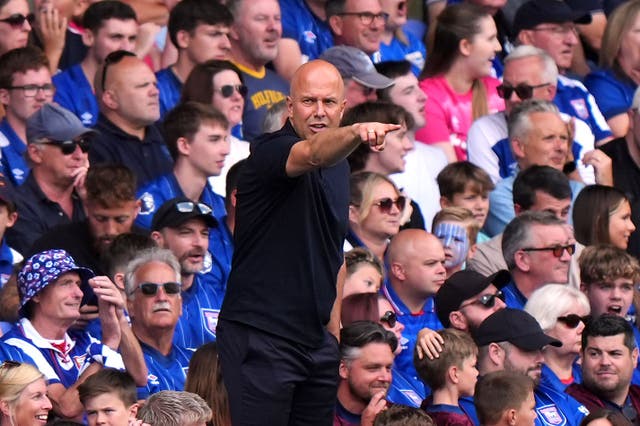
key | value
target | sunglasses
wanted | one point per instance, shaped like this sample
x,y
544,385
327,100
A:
x,y
17,19
227,90
486,300
189,206
555,250
572,320
69,147
524,91
113,58
151,289
386,204
390,318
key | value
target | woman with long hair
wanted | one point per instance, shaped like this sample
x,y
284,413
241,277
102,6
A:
x,y
457,78
23,395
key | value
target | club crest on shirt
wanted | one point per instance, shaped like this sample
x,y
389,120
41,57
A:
x,y
210,319
147,204
549,414
580,107
309,37
78,361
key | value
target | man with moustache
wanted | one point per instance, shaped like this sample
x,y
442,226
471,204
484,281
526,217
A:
x,y
512,340
180,225
365,372
292,198
609,356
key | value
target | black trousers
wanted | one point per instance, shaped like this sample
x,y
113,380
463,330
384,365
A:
x,y
274,381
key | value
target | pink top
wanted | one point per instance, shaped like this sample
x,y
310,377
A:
x,y
448,113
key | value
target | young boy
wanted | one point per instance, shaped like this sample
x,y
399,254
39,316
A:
x,y
109,397
463,184
451,376
505,398
457,229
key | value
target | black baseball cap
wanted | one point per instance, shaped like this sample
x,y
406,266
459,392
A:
x,y
516,327
536,12
177,211
463,285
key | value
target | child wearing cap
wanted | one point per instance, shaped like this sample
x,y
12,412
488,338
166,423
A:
x,y
457,230
463,184
451,376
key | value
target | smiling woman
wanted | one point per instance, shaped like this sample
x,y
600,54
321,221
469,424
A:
x,y
23,395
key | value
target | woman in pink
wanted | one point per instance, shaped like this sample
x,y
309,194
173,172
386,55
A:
x,y
456,78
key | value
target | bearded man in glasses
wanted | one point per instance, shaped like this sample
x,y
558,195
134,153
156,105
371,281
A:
x,y
154,303
530,73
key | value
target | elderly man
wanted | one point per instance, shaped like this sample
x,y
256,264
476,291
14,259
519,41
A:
x,y
357,23
127,94
512,340
254,36
152,284
292,198
50,285
52,194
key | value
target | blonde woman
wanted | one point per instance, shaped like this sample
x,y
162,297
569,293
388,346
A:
x,y
23,395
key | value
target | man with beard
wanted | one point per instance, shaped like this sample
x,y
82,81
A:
x,y
366,352
512,340
182,227
609,356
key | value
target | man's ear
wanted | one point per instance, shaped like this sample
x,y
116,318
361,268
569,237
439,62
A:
x,y
158,238
343,370
183,38
458,321
444,202
335,23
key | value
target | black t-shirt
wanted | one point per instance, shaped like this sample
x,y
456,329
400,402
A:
x,y
288,243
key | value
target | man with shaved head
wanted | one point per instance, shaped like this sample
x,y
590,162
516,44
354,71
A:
x,y
416,272
279,358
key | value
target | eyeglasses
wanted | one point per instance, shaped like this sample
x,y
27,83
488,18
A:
x,y
390,318
386,204
227,90
113,58
31,90
69,147
572,320
367,18
555,250
558,29
17,19
151,289
486,300
524,91
189,206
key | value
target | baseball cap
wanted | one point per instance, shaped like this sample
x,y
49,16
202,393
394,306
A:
x,y
536,12
463,285
353,63
43,269
55,123
177,211
516,327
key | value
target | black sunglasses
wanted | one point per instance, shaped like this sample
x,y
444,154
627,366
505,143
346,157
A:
x,y
227,90
555,250
486,300
17,19
69,147
390,318
113,58
151,289
572,320
386,204
524,91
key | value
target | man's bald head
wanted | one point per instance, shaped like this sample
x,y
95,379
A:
x,y
316,102
407,242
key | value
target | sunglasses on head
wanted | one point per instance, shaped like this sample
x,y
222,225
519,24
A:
x,y
113,58
17,19
524,91
386,204
572,320
69,147
189,206
555,250
151,289
227,90
390,318
486,300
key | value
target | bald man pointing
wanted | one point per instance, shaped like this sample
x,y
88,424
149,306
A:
x,y
280,362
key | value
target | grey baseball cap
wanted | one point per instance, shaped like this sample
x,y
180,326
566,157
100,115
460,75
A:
x,y
56,123
353,63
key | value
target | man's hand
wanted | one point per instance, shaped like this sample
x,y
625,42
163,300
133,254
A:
x,y
376,405
602,165
373,134
429,344
110,308
79,177
87,314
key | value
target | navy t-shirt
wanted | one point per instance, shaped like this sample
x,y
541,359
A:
x,y
289,235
